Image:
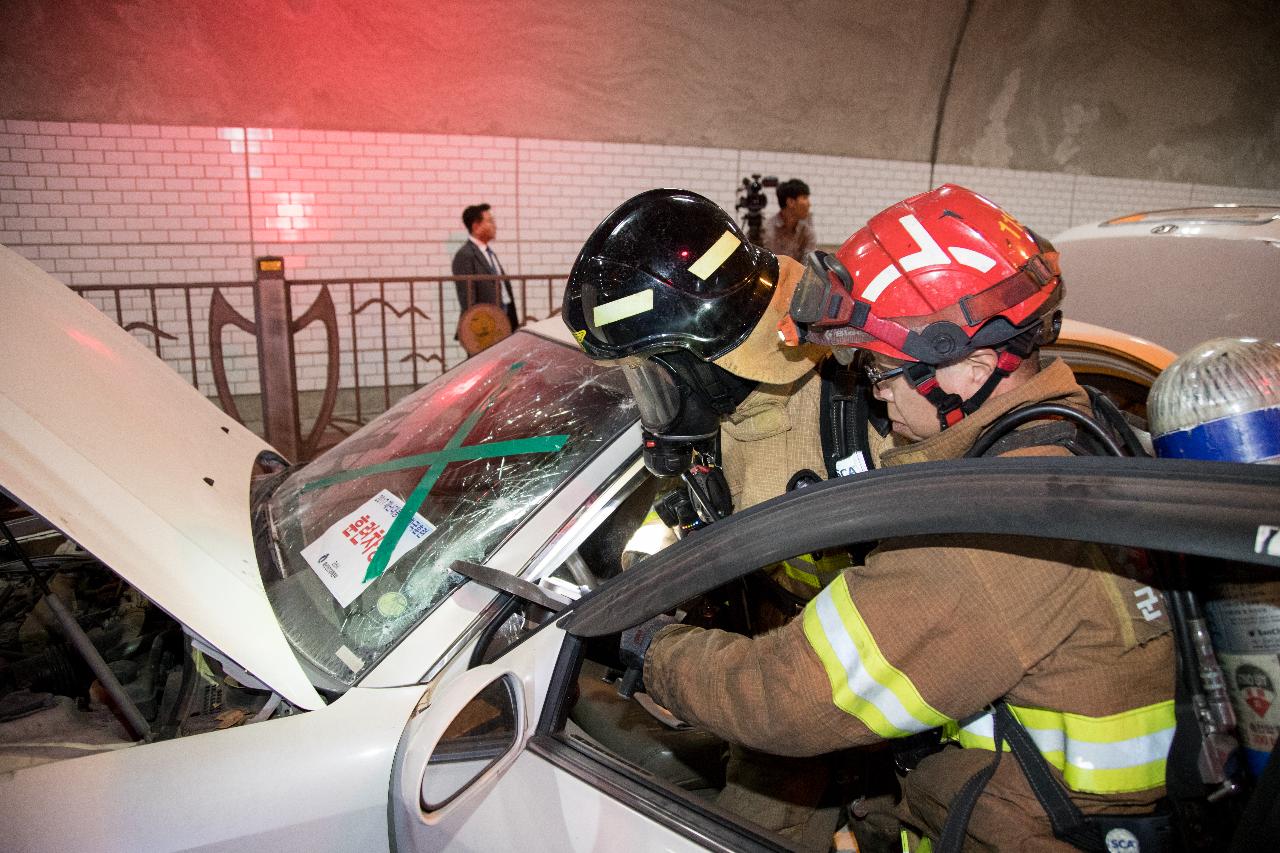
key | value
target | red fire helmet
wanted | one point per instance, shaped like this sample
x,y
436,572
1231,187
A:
x,y
930,279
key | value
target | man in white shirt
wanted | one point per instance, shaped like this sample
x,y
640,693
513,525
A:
x,y
476,257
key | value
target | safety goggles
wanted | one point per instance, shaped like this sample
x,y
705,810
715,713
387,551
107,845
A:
x,y
878,373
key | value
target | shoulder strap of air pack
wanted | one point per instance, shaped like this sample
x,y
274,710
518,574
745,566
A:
x,y
847,414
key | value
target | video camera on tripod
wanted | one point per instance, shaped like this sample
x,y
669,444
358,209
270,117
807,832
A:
x,y
752,199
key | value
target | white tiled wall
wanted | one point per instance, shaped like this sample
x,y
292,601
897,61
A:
x,y
140,204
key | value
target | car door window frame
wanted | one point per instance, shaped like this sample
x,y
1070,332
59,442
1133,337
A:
x,y
617,778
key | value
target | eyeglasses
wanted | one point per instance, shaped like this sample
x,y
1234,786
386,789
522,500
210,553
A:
x,y
877,373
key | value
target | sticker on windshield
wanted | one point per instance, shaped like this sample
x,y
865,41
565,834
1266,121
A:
x,y
341,555
350,658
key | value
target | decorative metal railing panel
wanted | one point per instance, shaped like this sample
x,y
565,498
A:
x,y
356,346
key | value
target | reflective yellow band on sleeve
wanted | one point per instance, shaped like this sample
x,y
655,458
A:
x,y
863,682
812,572
793,568
1115,754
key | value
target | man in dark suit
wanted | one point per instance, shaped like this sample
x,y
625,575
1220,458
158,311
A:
x,y
476,257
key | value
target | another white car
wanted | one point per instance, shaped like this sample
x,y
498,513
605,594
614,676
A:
x,y
1178,277
438,697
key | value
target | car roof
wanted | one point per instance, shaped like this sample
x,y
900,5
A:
x,y
1209,509
1222,221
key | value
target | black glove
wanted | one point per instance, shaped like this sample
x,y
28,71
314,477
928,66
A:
x,y
632,647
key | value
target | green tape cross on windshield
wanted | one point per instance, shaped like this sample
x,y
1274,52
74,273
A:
x,y
436,463
488,450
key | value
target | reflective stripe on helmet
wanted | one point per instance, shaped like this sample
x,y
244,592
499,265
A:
x,y
863,682
1101,755
639,302
712,259
929,254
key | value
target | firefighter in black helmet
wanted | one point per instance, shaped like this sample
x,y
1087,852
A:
x,y
667,270
670,288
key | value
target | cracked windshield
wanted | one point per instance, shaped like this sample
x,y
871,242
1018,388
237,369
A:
x,y
363,537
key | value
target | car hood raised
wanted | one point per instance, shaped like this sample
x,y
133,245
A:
x,y
112,446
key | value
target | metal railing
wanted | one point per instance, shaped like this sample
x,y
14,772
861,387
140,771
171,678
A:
x,y
304,379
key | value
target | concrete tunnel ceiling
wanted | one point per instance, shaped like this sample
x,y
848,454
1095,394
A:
x,y
1176,90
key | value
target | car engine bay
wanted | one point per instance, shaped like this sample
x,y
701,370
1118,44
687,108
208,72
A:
x,y
52,705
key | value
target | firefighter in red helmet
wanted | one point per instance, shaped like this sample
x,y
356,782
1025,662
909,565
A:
x,y
959,642
929,283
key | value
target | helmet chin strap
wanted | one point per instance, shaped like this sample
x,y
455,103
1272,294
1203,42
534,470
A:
x,y
952,408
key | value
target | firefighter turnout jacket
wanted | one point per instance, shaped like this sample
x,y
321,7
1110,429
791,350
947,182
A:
x,y
928,634
773,434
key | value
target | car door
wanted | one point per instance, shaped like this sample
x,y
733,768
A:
x,y
474,771
558,776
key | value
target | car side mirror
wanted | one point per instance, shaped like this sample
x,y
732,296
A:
x,y
480,734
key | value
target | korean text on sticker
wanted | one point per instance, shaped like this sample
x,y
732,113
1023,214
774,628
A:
x,y
341,555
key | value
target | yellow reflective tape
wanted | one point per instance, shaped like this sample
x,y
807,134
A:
x,y
714,258
878,665
1095,742
202,666
816,573
882,697
922,844
1116,780
795,572
830,565
969,740
620,309
841,695
1125,725
1108,780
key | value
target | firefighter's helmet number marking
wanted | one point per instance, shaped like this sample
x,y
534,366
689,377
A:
x,y
1267,541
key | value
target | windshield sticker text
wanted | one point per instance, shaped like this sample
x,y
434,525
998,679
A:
x,y
342,554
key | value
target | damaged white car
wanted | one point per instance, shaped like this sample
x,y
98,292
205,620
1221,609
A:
x,y
365,652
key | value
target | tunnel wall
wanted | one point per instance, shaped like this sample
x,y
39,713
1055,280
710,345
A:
x,y
158,205
1177,90
144,142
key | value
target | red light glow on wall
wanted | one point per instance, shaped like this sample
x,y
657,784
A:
x,y
293,214
287,216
